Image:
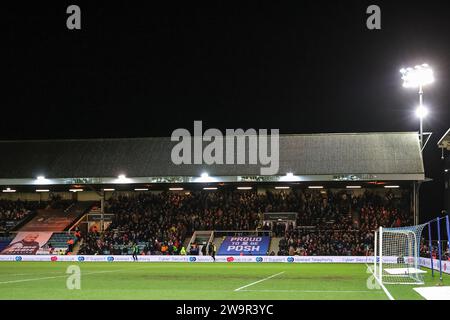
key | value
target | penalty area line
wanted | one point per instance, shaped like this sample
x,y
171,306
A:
x,y
251,284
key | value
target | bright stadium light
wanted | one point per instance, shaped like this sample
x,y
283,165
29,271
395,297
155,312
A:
x,y
289,177
417,78
141,189
392,187
282,187
315,187
122,178
421,112
76,190
204,177
109,189
176,189
9,190
210,188
41,180
353,187
244,188
42,190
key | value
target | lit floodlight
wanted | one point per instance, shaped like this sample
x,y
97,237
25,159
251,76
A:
x,y
42,190
289,177
41,180
8,190
122,178
421,112
418,76
244,188
204,177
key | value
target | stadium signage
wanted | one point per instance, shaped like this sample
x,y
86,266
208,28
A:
x,y
424,262
228,149
244,245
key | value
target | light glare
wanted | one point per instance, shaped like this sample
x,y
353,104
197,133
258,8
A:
x,y
421,112
420,75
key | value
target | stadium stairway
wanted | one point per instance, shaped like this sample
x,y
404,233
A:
x,y
274,244
218,242
59,240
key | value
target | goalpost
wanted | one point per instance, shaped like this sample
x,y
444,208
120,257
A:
x,y
396,255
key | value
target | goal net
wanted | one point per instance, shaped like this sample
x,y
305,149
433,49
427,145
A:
x,y
396,255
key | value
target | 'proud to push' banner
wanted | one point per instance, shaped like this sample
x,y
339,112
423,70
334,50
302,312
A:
x,y
245,245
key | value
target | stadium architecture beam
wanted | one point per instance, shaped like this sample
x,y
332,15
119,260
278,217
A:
x,y
210,179
444,142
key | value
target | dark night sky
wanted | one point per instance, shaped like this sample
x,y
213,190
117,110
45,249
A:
x,y
300,66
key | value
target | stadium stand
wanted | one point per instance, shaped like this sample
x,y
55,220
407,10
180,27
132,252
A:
x,y
61,240
329,222
13,213
57,216
4,241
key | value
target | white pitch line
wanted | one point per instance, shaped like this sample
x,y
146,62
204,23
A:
x,y
389,295
55,277
250,284
313,291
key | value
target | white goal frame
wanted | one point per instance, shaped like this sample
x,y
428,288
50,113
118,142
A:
x,y
396,255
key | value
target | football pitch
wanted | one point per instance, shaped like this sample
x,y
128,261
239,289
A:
x,y
186,281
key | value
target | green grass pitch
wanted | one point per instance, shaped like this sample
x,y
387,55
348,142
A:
x,y
265,281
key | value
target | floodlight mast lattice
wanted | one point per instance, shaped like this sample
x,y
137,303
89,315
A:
x,y
418,77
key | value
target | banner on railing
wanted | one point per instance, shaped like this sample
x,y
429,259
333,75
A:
x,y
27,243
245,245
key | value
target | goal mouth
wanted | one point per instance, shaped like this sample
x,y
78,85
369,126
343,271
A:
x,y
396,254
403,271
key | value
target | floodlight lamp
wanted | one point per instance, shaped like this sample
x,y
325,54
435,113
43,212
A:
x,y
421,112
418,76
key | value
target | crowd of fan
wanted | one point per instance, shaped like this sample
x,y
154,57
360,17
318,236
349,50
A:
x,y
340,223
434,252
13,212
163,220
343,224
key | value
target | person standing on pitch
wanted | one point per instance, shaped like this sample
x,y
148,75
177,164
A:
x,y
212,251
135,251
